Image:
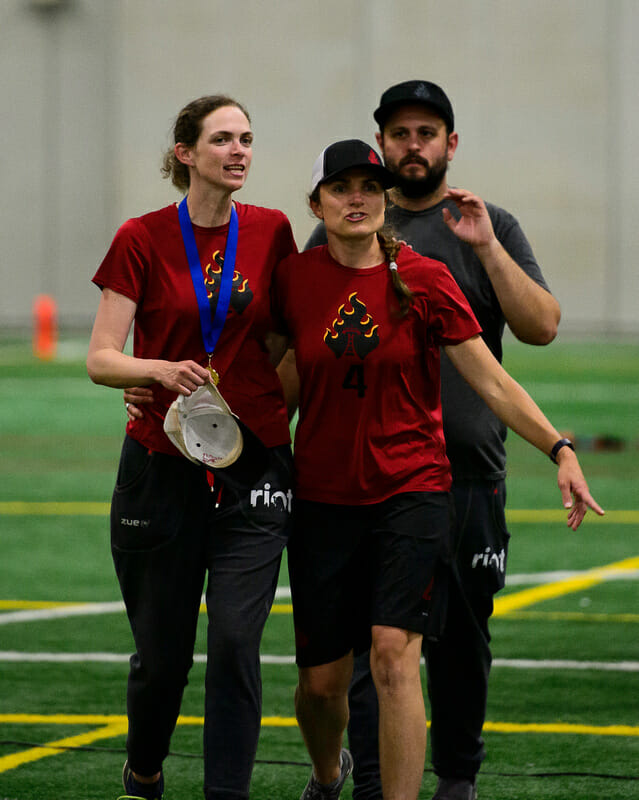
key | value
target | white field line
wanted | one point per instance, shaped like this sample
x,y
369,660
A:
x,y
531,663
283,593
16,657
531,578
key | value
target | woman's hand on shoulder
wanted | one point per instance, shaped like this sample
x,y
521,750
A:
x,y
134,397
276,344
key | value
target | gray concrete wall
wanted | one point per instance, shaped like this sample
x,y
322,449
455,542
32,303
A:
x,y
544,92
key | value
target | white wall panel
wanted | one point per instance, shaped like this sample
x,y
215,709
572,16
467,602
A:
x,y
544,94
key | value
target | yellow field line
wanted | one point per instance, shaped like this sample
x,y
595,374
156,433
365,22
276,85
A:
x,y
562,727
30,605
54,748
276,608
615,516
549,591
282,608
35,605
287,608
22,508
115,720
63,719
573,616
116,725
112,726
25,508
515,601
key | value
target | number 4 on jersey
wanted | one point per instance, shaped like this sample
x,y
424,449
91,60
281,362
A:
x,y
355,379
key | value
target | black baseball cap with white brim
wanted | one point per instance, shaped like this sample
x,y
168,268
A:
x,y
347,154
205,430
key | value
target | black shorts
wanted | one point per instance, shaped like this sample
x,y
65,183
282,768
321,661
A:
x,y
352,567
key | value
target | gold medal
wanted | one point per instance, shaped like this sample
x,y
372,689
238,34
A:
x,y
214,376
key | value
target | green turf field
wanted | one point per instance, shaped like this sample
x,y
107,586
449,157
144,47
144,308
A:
x,y
563,717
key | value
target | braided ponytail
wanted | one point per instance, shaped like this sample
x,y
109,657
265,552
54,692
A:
x,y
391,247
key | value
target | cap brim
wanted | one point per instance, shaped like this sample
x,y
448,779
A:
x,y
381,114
383,175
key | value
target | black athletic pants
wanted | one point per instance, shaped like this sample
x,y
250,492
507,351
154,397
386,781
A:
x,y
458,664
167,534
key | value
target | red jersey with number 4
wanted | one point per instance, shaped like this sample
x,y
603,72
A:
x,y
370,421
147,263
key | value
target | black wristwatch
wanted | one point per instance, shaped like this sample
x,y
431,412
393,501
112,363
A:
x,y
557,447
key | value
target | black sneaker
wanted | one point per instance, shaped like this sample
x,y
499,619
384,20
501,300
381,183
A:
x,y
140,791
319,791
455,789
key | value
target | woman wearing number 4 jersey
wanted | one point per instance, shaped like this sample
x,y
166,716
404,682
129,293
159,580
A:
x,y
366,318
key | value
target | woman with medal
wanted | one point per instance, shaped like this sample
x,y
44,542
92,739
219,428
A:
x,y
367,318
194,282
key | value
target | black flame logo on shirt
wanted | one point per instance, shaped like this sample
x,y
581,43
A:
x,y
353,331
241,295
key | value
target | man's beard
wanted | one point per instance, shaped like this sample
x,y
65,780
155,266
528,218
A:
x,y
415,188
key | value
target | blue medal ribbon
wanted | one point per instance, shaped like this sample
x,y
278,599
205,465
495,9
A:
x,y
211,325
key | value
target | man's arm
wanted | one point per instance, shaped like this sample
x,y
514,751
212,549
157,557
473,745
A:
x,y
516,408
532,313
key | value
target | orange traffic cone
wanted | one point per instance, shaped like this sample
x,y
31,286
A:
x,y
45,327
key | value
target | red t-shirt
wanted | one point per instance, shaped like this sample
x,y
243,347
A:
x,y
370,422
147,263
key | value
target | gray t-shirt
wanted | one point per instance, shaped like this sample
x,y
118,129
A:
x,y
474,435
